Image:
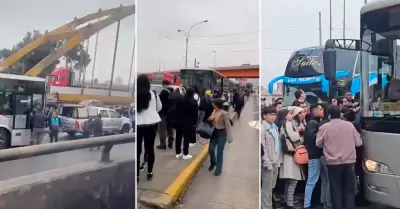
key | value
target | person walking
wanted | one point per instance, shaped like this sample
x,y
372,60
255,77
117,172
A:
x,y
54,127
339,139
39,122
164,129
148,106
314,156
292,131
197,98
221,134
239,104
97,127
187,117
88,127
271,159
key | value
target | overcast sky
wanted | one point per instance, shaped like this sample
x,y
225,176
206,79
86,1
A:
x,y
20,16
232,31
288,25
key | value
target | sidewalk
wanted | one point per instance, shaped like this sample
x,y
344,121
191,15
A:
x,y
238,185
171,177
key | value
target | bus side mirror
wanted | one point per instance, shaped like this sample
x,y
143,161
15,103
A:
x,y
329,58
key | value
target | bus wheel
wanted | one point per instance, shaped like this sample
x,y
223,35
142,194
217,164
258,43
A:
x,y
5,140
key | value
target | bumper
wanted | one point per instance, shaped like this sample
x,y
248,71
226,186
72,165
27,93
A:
x,y
382,189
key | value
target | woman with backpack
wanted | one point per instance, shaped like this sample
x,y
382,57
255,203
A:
x,y
292,137
148,106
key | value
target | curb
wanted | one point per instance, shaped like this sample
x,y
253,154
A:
x,y
168,198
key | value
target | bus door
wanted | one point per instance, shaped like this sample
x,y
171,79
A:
x,y
22,107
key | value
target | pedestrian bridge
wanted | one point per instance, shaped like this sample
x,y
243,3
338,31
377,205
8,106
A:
x,y
243,71
96,180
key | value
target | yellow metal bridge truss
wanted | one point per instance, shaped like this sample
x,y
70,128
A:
x,y
71,34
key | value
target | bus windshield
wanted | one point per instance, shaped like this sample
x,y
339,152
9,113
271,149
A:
x,y
205,79
313,93
381,70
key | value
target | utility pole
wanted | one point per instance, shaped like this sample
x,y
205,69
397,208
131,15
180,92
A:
x,y
330,19
365,2
131,66
215,57
195,61
159,65
319,27
83,66
94,58
95,55
344,21
114,58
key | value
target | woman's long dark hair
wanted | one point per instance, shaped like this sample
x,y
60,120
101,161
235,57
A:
x,y
281,119
189,93
142,93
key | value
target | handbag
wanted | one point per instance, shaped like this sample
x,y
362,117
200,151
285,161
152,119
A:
x,y
205,130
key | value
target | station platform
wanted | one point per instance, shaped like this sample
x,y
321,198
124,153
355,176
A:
x,y
173,177
238,185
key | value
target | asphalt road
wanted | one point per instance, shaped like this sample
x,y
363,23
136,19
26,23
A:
x,y
17,168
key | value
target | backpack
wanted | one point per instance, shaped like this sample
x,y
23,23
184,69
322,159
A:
x,y
300,155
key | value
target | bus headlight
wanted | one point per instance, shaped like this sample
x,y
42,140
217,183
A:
x,y
377,167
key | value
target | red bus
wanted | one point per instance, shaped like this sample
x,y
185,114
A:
x,y
158,77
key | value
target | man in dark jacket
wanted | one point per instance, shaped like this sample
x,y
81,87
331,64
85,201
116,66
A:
x,y
39,122
239,104
314,155
164,128
97,128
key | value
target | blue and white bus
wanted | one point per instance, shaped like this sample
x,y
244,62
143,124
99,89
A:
x,y
305,70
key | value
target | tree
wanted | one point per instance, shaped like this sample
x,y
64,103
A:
x,y
37,55
95,81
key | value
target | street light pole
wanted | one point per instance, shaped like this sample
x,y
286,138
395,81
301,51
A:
x,y
215,57
187,34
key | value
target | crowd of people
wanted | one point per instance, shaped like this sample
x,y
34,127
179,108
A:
x,y
310,143
177,118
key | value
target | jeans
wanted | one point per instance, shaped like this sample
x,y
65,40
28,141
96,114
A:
x,y
217,144
342,188
325,189
165,130
37,135
53,134
269,180
314,170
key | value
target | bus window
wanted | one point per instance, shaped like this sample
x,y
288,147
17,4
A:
x,y
22,104
5,105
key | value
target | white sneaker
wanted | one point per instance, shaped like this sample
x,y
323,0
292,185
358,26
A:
x,y
178,156
192,144
187,157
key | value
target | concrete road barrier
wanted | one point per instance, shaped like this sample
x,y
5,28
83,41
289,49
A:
x,y
91,185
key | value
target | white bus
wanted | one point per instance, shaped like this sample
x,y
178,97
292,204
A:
x,y
379,47
19,97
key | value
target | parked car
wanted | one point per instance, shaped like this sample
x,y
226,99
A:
x,y
73,117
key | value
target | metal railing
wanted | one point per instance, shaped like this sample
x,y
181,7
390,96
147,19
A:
x,y
44,149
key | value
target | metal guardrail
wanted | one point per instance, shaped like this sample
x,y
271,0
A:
x,y
44,149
